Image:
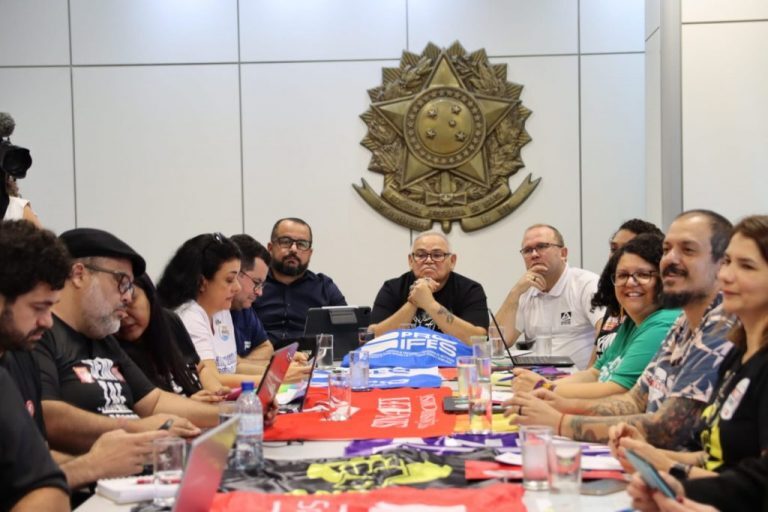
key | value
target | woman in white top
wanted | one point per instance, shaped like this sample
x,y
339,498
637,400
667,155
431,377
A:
x,y
199,283
16,208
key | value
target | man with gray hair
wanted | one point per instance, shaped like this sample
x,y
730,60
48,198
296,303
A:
x,y
431,294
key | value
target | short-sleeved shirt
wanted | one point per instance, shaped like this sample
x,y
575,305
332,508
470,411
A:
x,y
23,368
565,311
736,422
460,295
141,354
95,375
217,344
283,308
25,462
687,363
249,333
633,347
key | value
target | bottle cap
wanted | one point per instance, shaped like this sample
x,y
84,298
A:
x,y
246,386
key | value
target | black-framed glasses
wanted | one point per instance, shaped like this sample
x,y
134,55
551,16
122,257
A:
x,y
285,242
124,281
258,284
640,277
539,248
437,256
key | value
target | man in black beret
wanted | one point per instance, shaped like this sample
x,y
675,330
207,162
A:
x,y
89,385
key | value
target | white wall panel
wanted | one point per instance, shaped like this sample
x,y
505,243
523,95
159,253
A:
x,y
157,154
153,31
321,29
725,134
612,153
301,133
34,33
652,16
653,199
38,100
502,27
611,26
723,10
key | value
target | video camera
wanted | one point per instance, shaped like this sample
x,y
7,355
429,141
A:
x,y
14,160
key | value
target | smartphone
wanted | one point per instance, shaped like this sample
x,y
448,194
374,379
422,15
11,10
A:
x,y
650,476
603,487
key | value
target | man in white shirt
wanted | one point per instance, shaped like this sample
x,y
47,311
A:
x,y
552,299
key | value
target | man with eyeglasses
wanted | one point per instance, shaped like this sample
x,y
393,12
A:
x,y
552,299
431,294
291,288
89,384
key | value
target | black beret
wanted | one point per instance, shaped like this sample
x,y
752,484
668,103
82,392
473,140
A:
x,y
87,242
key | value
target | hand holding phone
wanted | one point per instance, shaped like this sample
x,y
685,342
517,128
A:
x,y
650,476
234,394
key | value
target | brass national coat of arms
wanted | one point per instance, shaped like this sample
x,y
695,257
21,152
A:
x,y
445,129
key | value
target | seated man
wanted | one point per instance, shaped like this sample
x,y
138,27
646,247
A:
x,y
432,294
552,299
89,384
291,289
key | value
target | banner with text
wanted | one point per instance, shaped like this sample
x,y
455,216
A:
x,y
414,348
390,378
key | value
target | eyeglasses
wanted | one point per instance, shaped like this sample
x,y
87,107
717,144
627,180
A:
x,y
124,281
539,248
640,277
285,242
437,256
258,284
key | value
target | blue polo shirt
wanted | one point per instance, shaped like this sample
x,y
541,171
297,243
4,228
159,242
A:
x,y
282,308
249,333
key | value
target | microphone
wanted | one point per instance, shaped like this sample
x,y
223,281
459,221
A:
x,y
501,334
7,125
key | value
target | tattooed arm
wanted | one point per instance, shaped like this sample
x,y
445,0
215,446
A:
x,y
421,296
671,426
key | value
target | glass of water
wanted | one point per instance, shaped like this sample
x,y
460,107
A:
x,y
535,441
498,349
168,466
481,347
565,467
339,395
359,367
480,414
324,351
465,368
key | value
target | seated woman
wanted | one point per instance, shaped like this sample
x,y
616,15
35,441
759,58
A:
x,y
159,344
629,285
199,284
735,425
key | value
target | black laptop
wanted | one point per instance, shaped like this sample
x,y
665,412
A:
x,y
534,360
341,321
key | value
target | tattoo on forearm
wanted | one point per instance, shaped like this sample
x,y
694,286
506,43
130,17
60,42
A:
x,y
673,425
614,406
448,314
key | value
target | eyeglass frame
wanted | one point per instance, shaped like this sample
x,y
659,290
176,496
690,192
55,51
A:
x,y
257,285
539,248
286,239
633,275
119,277
422,257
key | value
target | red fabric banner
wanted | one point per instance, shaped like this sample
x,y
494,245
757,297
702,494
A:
x,y
507,497
383,413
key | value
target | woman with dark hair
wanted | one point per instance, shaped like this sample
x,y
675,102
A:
x,y
199,284
635,288
735,424
158,343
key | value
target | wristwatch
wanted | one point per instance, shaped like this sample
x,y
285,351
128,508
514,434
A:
x,y
680,471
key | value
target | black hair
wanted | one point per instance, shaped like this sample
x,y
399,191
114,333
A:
x,y
199,257
648,246
30,256
297,220
720,227
160,347
640,226
250,249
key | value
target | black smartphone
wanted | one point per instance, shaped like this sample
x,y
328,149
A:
x,y
603,487
650,476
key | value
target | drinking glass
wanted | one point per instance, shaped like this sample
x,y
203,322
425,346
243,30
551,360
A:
x,y
324,351
543,346
535,441
167,466
498,349
565,467
481,346
480,414
465,367
359,366
339,395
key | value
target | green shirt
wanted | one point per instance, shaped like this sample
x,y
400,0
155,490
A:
x,y
633,348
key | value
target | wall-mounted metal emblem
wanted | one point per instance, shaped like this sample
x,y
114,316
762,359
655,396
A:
x,y
445,129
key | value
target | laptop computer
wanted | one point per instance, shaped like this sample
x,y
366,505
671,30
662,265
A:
x,y
274,375
205,464
341,321
559,361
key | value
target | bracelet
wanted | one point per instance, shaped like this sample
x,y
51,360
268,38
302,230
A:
x,y
560,425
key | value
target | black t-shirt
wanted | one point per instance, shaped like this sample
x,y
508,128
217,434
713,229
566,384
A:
x,y
25,462
26,374
743,488
95,375
738,428
462,296
180,340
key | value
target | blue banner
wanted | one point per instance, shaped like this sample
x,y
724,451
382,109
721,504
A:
x,y
390,378
414,348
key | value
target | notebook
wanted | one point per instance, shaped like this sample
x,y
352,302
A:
x,y
134,488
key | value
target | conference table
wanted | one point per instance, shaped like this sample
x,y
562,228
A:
x,y
535,501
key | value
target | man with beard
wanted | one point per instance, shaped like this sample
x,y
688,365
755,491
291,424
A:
x,y
89,385
291,289
666,402
552,299
431,294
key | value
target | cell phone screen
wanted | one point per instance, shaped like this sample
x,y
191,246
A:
x,y
650,476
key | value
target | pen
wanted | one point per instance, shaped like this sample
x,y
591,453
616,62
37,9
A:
x,y
503,379
166,425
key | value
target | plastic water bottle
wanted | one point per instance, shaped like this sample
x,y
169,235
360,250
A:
x,y
248,447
